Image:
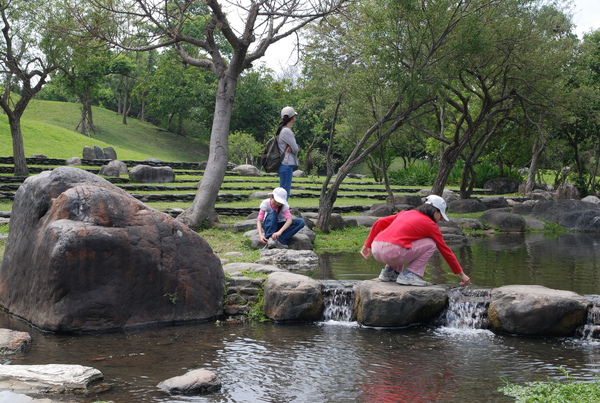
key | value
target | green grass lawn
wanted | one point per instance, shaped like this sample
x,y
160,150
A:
x,y
49,128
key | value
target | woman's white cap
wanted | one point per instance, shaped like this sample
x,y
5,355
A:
x,y
288,112
439,203
280,195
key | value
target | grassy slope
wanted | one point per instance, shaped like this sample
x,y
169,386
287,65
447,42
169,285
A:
x,y
48,128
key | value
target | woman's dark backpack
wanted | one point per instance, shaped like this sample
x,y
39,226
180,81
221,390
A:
x,y
271,157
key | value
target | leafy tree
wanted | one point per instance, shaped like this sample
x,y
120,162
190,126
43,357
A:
x,y
580,122
243,149
27,58
384,54
124,68
257,104
204,37
177,92
510,53
146,62
83,74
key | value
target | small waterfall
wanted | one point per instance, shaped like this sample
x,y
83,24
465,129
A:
x,y
339,300
467,309
591,330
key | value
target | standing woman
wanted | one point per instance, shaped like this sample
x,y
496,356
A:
x,y
288,147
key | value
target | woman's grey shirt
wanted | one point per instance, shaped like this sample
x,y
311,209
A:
x,y
286,138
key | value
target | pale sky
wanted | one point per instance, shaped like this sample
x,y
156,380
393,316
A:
x,y
586,16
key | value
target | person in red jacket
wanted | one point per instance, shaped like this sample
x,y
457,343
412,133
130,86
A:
x,y
404,242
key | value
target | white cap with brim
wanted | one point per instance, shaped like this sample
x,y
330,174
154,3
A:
x,y
439,203
288,112
280,195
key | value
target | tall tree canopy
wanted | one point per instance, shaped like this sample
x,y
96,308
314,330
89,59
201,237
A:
x,y
204,36
466,63
28,54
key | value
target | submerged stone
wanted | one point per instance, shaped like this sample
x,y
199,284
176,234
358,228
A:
x,y
198,381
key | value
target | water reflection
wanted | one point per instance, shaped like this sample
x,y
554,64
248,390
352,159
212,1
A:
x,y
566,262
330,362
316,363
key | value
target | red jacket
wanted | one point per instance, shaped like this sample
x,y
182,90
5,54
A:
x,y
408,226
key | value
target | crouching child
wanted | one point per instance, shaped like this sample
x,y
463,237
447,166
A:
x,y
275,223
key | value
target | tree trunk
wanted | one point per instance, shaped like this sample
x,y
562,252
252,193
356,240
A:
x,y
386,179
447,161
538,149
326,202
328,196
202,213
142,114
468,180
20,162
82,125
125,102
86,124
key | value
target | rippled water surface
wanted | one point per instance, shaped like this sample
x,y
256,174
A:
x,y
341,362
566,262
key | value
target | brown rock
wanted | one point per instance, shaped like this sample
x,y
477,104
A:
x,y
83,255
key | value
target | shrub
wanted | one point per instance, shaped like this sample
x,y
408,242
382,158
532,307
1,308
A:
x,y
423,174
555,392
413,175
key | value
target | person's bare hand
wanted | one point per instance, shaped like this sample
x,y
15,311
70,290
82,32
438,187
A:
x,y
464,279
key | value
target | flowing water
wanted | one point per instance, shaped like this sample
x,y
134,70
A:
x,y
454,360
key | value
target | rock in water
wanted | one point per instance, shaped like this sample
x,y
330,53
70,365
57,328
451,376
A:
x,y
84,255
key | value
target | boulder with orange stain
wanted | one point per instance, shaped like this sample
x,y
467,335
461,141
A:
x,y
84,255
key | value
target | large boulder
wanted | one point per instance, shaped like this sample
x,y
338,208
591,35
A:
x,y
524,208
244,226
451,232
591,199
505,222
74,161
465,206
83,255
494,202
468,223
587,221
114,168
299,174
536,311
411,200
380,210
500,186
392,305
293,297
99,153
109,153
150,174
247,170
567,191
575,215
289,259
357,220
88,153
